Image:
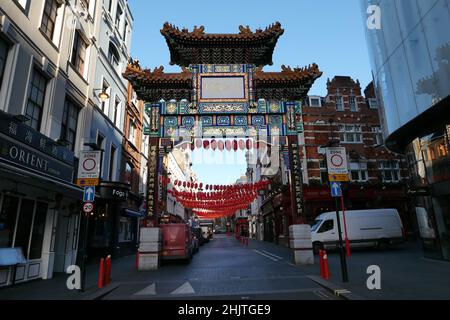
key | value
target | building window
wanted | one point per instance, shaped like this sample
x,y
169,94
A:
x,y
105,88
116,110
22,3
352,103
85,4
110,6
377,136
390,170
119,13
69,123
339,103
314,102
113,56
358,171
49,17
350,133
125,29
4,49
36,98
132,132
128,173
373,103
79,53
8,216
112,158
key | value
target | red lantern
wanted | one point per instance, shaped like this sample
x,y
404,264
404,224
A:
x,y
235,145
206,144
228,145
220,145
207,187
192,146
214,145
184,184
242,144
248,144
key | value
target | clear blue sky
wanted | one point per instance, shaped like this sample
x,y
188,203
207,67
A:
x,y
327,32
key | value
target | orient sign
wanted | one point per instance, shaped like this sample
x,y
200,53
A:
x,y
89,168
337,164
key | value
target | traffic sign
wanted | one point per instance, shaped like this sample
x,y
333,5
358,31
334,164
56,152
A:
x,y
89,194
89,168
88,182
336,191
337,164
88,207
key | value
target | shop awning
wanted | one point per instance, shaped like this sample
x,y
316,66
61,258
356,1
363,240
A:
x,y
132,213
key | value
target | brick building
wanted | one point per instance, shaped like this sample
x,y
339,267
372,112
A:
x,y
377,176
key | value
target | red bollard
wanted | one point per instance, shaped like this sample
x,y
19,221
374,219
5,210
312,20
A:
x,y
100,274
107,270
321,262
326,272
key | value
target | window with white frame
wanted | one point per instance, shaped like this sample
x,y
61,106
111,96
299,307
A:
x,y
315,102
373,103
48,23
350,133
339,103
115,115
22,3
352,104
132,132
119,13
358,171
390,170
113,56
4,50
36,99
69,123
79,49
377,136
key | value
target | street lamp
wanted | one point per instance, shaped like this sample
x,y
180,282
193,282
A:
x,y
103,95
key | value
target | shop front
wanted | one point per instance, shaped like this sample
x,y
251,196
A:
x,y
114,226
39,204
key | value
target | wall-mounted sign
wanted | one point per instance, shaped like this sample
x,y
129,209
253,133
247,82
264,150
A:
x,y
337,164
89,168
114,191
18,154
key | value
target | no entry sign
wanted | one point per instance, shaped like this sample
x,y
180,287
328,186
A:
x,y
337,164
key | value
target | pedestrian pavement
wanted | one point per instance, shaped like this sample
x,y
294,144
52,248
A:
x,y
227,269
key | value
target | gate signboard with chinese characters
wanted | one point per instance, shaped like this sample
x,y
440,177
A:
x,y
222,92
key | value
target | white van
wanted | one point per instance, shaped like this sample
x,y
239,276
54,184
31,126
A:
x,y
365,228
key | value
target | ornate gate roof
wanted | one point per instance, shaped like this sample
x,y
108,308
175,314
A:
x,y
197,47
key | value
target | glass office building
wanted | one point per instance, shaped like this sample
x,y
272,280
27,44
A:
x,y
410,56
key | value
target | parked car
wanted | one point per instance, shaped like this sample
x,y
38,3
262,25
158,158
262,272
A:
x,y
177,242
365,228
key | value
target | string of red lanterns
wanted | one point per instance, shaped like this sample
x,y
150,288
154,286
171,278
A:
x,y
228,145
218,200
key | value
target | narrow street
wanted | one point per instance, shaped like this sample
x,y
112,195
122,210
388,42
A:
x,y
224,269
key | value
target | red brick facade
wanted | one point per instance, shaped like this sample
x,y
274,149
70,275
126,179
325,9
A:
x,y
346,115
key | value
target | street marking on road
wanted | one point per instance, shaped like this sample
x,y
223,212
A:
x,y
323,295
265,255
150,290
186,288
273,255
341,291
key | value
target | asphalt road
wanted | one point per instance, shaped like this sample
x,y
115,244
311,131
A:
x,y
225,269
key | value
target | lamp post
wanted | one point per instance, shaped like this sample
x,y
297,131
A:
x,y
94,147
